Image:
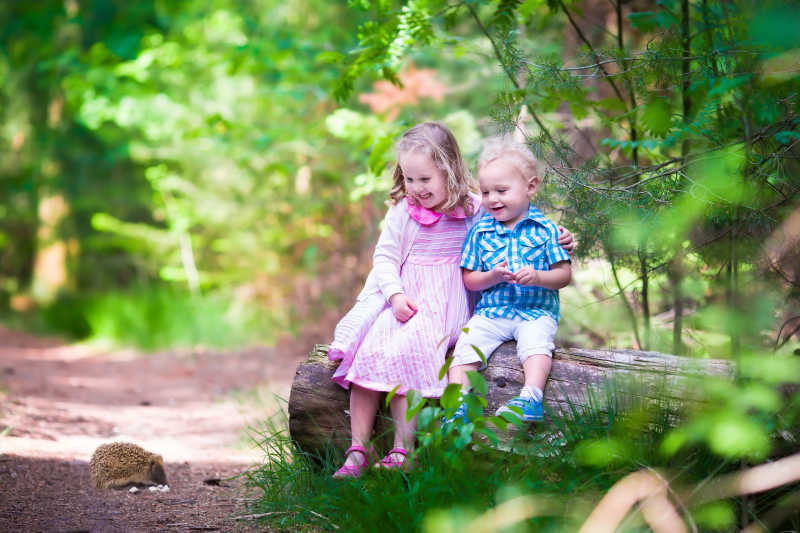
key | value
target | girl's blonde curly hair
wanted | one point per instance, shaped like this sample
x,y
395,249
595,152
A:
x,y
438,141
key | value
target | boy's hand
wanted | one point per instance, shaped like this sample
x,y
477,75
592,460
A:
x,y
403,307
527,276
501,273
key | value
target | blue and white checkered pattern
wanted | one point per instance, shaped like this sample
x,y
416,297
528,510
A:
x,y
533,242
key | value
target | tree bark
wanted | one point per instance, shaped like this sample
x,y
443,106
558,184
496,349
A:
x,y
318,407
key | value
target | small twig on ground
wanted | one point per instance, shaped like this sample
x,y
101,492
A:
x,y
181,502
193,527
328,520
259,515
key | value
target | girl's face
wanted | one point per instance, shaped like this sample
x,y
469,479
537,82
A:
x,y
425,183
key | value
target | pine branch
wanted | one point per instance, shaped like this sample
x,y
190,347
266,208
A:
x,y
512,76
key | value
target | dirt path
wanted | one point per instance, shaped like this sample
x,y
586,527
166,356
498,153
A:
x,y
59,402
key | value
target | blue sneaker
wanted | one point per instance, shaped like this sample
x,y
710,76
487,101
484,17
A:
x,y
459,416
531,409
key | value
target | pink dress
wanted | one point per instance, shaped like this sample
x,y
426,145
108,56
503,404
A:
x,y
379,352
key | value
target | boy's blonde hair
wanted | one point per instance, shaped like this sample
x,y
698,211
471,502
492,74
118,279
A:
x,y
518,154
438,141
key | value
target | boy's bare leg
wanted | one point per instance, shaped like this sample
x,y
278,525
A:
x,y
537,369
363,408
458,374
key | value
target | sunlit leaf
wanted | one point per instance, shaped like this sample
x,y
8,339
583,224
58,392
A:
x,y
426,416
390,395
445,367
657,116
601,452
480,354
490,434
500,422
715,516
451,397
415,402
478,382
738,436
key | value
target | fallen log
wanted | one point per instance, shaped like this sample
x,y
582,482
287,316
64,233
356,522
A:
x,y
318,408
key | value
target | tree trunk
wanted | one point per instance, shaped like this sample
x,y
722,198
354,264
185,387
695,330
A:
x,y
318,407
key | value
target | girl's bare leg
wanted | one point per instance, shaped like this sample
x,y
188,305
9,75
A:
x,y
404,430
363,408
458,374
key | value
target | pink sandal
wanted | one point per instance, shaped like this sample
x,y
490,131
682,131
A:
x,y
390,462
353,470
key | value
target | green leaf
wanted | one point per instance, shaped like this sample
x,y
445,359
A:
x,y
644,20
415,401
500,422
776,27
758,396
379,157
329,57
490,434
674,441
611,104
601,452
480,354
738,436
426,416
513,417
390,395
786,137
464,435
451,397
771,369
445,367
477,382
716,516
657,117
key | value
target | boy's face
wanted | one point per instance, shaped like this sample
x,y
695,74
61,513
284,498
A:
x,y
505,192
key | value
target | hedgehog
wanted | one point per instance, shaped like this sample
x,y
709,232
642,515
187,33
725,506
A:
x,y
121,465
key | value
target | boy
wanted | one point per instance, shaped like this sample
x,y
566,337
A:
x,y
513,258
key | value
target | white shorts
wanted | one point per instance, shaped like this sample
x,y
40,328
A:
x,y
533,337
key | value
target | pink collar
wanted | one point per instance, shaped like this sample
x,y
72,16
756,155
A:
x,y
426,216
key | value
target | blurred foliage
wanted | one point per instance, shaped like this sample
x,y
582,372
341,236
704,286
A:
x,y
243,147
196,145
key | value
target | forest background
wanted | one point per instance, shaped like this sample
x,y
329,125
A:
x,y
213,172
182,173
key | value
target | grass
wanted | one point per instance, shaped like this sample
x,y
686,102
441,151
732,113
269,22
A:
x,y
557,471
151,318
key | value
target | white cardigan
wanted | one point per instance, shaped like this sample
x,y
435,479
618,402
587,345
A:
x,y
394,245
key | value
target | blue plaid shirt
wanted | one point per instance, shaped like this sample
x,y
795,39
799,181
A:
x,y
533,242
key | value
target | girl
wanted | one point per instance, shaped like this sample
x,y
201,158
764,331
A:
x,y
413,297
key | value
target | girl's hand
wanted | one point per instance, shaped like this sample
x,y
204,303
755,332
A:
x,y
527,276
501,273
565,239
403,307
